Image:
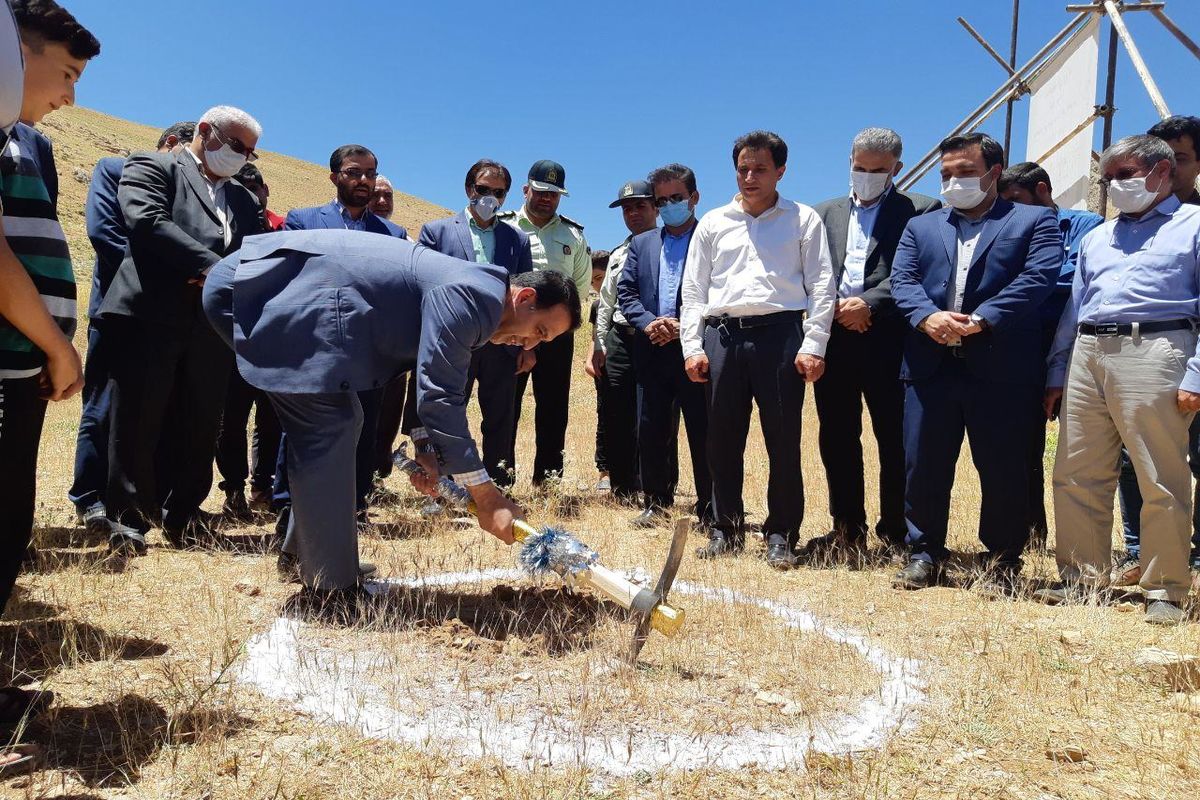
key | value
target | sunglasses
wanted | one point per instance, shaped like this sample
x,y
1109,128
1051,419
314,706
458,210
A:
x,y
235,145
485,191
659,202
358,174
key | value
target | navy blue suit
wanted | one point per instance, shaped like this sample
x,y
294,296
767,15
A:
x,y
493,366
328,217
315,318
663,386
109,238
986,387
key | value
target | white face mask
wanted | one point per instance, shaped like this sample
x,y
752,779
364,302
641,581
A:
x,y
963,193
1131,196
224,162
485,206
868,185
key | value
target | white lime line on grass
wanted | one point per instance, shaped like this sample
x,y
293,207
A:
x,y
334,687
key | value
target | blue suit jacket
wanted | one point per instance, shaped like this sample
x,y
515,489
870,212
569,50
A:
x,y
1015,267
637,288
452,236
105,227
328,311
328,217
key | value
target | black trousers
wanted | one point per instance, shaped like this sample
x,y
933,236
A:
x,y
91,443
756,365
493,373
619,388
552,396
858,367
240,399
664,390
149,363
393,408
22,413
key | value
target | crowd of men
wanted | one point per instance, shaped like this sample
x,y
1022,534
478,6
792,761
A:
x,y
983,314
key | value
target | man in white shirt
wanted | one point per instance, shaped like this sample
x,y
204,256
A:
x,y
758,303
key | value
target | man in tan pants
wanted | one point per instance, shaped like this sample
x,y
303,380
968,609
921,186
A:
x,y
1129,332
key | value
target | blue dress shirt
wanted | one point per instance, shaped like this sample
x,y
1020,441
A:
x,y
350,222
1135,270
858,242
1075,224
670,271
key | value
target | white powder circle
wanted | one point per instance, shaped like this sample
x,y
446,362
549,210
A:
x,y
331,685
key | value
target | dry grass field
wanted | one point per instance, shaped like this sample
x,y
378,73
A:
x,y
176,677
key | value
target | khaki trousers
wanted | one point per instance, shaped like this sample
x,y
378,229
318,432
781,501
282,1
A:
x,y
1123,389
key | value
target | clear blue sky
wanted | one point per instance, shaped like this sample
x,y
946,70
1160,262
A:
x,y
610,90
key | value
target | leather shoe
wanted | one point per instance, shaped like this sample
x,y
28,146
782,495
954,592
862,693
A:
x,y
651,517
780,556
719,546
917,574
236,506
126,544
287,566
1163,612
1070,594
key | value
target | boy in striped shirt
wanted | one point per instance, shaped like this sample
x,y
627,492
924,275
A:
x,y
37,289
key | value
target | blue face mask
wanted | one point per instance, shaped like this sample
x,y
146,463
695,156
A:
x,y
674,214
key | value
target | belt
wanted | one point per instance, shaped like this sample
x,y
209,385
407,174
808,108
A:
x,y
758,321
1127,328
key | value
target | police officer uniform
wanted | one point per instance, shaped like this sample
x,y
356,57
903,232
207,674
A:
x,y
559,245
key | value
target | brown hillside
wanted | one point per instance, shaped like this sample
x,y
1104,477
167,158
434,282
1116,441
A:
x,y
82,136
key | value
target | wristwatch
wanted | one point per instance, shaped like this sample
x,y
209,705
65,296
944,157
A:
x,y
978,320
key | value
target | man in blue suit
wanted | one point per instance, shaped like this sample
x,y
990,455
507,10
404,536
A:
x,y
970,279
649,295
109,237
316,317
353,170
478,236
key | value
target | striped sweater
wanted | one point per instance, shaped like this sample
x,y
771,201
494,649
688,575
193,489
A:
x,y
32,230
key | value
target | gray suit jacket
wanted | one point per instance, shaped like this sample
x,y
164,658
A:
x,y
325,311
174,235
898,208
452,236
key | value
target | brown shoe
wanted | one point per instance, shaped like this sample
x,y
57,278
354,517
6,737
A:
x,y
1127,573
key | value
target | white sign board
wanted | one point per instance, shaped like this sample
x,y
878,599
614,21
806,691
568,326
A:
x,y
1064,95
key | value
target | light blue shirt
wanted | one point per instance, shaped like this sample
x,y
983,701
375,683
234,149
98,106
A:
x,y
670,271
1135,270
350,222
483,240
858,242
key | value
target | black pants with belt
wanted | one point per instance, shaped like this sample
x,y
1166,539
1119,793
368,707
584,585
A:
x,y
552,394
168,386
664,391
858,367
756,366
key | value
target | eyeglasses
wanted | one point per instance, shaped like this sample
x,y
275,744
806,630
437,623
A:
x,y
358,174
659,202
235,145
485,191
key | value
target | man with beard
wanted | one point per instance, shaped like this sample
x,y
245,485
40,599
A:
x,y
353,170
